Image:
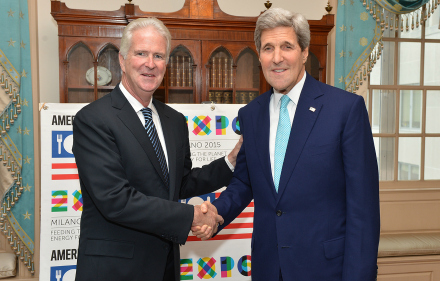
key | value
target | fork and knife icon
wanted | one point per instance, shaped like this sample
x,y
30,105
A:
x,y
67,276
59,141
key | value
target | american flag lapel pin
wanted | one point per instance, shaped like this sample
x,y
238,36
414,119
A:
x,y
312,109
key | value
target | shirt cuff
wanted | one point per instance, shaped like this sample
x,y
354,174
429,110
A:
x,y
229,164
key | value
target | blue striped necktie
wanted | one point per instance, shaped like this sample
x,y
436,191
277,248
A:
x,y
281,140
152,134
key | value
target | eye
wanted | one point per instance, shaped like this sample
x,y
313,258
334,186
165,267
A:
x,y
158,56
267,48
140,54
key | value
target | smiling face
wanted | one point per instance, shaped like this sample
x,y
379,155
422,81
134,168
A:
x,y
144,67
281,58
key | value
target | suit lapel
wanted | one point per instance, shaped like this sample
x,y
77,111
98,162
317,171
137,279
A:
x,y
307,111
261,136
167,128
130,119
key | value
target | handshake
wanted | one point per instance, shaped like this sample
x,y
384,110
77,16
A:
x,y
206,220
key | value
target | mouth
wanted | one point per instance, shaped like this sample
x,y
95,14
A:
x,y
149,75
278,70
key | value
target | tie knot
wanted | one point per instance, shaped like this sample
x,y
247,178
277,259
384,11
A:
x,y
146,112
284,101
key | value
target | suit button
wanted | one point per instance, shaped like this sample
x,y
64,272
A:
x,y
279,213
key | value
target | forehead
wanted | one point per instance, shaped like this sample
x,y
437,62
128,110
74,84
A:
x,y
148,38
278,34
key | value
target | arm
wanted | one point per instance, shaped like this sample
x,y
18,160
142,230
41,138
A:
x,y
106,187
238,194
362,196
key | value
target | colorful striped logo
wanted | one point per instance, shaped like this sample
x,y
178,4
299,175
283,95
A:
x,y
227,264
221,123
206,268
202,125
59,200
244,265
236,126
77,200
186,269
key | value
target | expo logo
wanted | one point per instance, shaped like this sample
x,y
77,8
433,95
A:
x,y
206,268
59,200
202,125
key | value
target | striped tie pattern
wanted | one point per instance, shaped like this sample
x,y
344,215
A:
x,y
281,140
152,134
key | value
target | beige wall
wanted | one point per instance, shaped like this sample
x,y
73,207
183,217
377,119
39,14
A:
x,y
48,32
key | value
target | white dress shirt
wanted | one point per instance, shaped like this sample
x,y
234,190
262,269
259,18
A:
x,y
274,114
137,106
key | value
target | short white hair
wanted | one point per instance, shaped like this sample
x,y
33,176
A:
x,y
140,24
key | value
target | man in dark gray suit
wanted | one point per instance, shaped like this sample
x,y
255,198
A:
x,y
134,163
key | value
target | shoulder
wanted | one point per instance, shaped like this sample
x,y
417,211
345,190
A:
x,y
335,93
257,102
98,108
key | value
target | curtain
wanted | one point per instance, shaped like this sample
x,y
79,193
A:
x,y
359,30
16,126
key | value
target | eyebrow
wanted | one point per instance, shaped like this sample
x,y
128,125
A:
x,y
283,43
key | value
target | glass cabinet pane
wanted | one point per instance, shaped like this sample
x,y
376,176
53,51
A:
x,y
409,63
409,158
221,76
384,111
433,112
312,66
432,159
432,30
385,157
410,111
108,71
383,71
247,76
432,64
180,76
80,74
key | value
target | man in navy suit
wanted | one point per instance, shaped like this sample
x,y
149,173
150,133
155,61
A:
x,y
308,162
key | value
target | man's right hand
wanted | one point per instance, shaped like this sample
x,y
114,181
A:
x,y
206,220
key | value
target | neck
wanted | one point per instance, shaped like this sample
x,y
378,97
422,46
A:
x,y
145,101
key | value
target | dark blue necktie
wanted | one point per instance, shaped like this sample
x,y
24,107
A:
x,y
152,134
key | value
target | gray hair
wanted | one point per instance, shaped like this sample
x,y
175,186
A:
x,y
277,17
144,23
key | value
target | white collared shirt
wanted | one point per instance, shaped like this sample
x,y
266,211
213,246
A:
x,y
274,114
137,106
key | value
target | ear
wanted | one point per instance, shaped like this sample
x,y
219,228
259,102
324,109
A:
x,y
122,62
305,54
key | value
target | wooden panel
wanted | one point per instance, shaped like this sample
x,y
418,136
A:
x,y
413,268
419,276
407,216
201,9
410,211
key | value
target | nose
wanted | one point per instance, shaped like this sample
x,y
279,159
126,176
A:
x,y
149,62
277,56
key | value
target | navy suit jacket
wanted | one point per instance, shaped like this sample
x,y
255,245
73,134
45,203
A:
x,y
323,224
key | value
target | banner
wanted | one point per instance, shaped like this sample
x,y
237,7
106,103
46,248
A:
x,y
213,133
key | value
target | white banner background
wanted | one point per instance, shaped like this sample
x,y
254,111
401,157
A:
x,y
226,258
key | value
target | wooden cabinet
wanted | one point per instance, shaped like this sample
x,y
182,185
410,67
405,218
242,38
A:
x,y
213,56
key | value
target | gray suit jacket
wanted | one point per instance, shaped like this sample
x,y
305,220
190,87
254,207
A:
x,y
130,218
